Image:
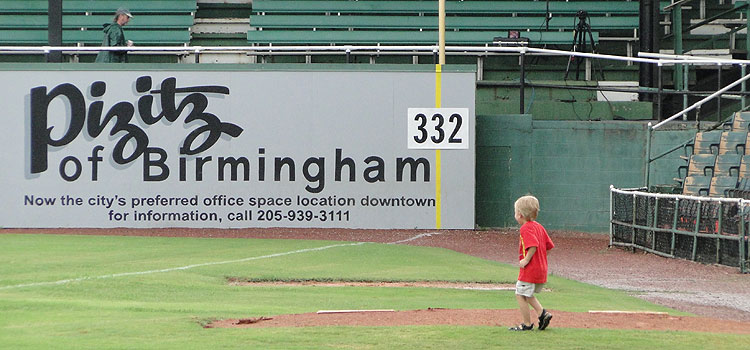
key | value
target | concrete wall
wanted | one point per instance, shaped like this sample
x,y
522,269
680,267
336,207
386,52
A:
x,y
568,165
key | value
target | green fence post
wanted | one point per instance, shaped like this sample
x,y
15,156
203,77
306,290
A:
x,y
718,233
674,225
655,223
632,232
697,228
611,215
649,134
743,259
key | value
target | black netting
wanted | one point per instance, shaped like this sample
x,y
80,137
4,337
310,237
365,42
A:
x,y
622,234
687,215
622,207
649,222
665,216
683,246
730,219
728,252
663,242
705,250
709,220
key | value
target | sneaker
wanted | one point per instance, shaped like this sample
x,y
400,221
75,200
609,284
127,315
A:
x,y
522,327
544,319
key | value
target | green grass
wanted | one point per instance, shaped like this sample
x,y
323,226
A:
x,y
165,310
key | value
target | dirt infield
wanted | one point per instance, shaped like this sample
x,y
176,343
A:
x,y
715,292
491,318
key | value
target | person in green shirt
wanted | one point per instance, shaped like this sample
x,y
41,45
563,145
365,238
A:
x,y
114,36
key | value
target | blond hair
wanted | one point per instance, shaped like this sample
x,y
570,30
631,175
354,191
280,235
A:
x,y
527,206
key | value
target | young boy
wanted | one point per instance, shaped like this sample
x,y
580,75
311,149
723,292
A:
x,y
532,250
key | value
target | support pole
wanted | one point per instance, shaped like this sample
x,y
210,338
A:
x,y
441,31
659,92
647,176
677,31
718,98
743,71
54,29
522,92
645,71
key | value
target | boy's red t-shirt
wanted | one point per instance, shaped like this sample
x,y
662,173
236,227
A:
x,y
533,234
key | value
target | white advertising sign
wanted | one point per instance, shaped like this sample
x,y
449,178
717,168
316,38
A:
x,y
236,148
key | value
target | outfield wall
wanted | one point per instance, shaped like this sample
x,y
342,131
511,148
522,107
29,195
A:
x,y
569,165
231,146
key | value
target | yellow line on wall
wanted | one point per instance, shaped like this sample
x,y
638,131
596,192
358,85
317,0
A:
x,y
438,97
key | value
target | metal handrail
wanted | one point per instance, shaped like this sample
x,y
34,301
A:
x,y
343,49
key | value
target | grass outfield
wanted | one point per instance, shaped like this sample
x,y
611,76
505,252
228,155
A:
x,y
111,292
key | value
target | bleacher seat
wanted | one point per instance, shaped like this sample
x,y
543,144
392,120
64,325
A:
x,y
727,165
154,23
733,142
696,185
720,184
705,142
744,170
415,22
699,164
741,121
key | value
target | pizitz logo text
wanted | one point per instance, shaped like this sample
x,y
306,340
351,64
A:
x,y
121,116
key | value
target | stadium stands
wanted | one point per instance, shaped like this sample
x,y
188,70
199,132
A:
x,y
155,22
723,153
415,22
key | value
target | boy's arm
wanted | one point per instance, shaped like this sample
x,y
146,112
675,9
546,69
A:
x,y
529,254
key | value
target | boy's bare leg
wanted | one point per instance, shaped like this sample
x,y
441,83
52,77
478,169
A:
x,y
523,305
536,305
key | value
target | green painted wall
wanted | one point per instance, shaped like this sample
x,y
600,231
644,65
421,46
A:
x,y
568,165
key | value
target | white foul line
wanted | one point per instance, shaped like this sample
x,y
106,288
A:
x,y
187,267
416,237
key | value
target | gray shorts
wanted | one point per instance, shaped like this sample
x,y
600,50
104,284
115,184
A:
x,y
528,289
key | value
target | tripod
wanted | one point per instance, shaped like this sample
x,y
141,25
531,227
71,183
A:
x,y
580,32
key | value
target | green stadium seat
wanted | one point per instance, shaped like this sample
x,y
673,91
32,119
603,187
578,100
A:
x,y
744,170
96,21
705,142
720,184
741,121
100,6
302,37
415,22
451,7
140,37
696,185
733,142
727,165
165,22
430,22
699,164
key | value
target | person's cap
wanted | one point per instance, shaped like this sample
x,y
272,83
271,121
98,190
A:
x,y
123,11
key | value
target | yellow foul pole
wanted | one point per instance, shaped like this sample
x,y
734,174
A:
x,y
438,102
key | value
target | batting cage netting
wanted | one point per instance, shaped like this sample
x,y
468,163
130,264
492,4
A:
x,y
703,229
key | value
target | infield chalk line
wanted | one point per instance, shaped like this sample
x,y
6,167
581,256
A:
x,y
416,237
187,267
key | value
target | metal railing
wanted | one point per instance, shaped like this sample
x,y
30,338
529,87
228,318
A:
x,y
702,229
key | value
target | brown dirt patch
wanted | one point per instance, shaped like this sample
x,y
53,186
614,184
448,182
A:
x,y
502,318
418,284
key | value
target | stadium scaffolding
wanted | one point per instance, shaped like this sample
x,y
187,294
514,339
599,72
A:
x,y
702,229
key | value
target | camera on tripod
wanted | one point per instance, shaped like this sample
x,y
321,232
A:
x,y
581,14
